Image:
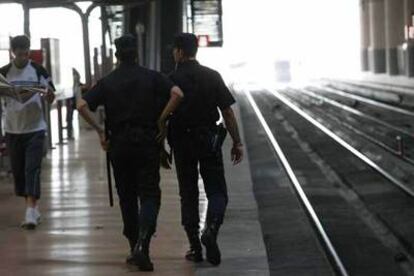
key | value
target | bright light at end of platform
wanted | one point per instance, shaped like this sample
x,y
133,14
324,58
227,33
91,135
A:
x,y
317,38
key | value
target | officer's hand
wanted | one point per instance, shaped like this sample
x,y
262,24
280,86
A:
x,y
237,154
103,140
165,159
162,131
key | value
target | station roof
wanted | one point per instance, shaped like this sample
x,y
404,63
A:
x,y
60,3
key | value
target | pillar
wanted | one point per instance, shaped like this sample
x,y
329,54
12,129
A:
x,y
137,23
26,13
85,33
140,31
377,56
365,34
153,36
408,12
409,43
86,49
104,24
171,24
394,33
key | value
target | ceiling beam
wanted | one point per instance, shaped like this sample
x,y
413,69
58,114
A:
x,y
62,3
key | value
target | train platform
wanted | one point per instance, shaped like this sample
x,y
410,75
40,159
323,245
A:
x,y
81,235
335,199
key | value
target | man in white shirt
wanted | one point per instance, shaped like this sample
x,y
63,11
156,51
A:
x,y
25,126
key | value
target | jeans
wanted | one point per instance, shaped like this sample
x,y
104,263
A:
x,y
26,154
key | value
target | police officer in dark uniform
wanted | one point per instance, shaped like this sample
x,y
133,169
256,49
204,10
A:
x,y
196,139
136,100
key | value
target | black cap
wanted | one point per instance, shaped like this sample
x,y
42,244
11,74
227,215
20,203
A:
x,y
125,42
187,42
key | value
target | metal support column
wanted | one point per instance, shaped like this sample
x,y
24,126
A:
x,y
104,23
26,12
171,24
86,49
408,13
409,43
394,33
85,30
377,36
365,34
153,36
140,31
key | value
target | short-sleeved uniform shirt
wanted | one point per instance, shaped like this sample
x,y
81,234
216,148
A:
x,y
204,92
131,94
28,117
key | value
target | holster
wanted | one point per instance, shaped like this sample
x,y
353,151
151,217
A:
x,y
207,140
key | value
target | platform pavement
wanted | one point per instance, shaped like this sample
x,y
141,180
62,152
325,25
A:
x,y
81,235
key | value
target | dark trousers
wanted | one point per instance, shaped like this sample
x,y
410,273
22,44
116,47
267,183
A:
x,y
137,177
26,154
70,108
189,162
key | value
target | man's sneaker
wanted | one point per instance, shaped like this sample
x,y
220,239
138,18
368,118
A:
x,y
30,221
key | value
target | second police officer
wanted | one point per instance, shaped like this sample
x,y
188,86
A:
x,y
196,140
135,99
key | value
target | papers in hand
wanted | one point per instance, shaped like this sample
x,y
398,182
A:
x,y
19,93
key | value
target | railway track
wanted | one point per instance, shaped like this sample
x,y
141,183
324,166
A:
x,y
395,139
338,180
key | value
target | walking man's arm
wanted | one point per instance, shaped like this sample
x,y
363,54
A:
x,y
176,96
232,127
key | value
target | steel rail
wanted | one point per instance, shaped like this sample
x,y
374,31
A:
x,y
329,248
369,138
343,143
375,87
355,111
363,99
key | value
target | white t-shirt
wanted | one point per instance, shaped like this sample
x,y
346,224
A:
x,y
20,118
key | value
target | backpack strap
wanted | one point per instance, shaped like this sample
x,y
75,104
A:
x,y
5,69
41,72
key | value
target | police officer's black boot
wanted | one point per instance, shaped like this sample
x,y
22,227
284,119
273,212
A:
x,y
141,251
195,254
209,240
130,259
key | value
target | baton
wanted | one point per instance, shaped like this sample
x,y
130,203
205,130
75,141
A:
x,y
108,171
